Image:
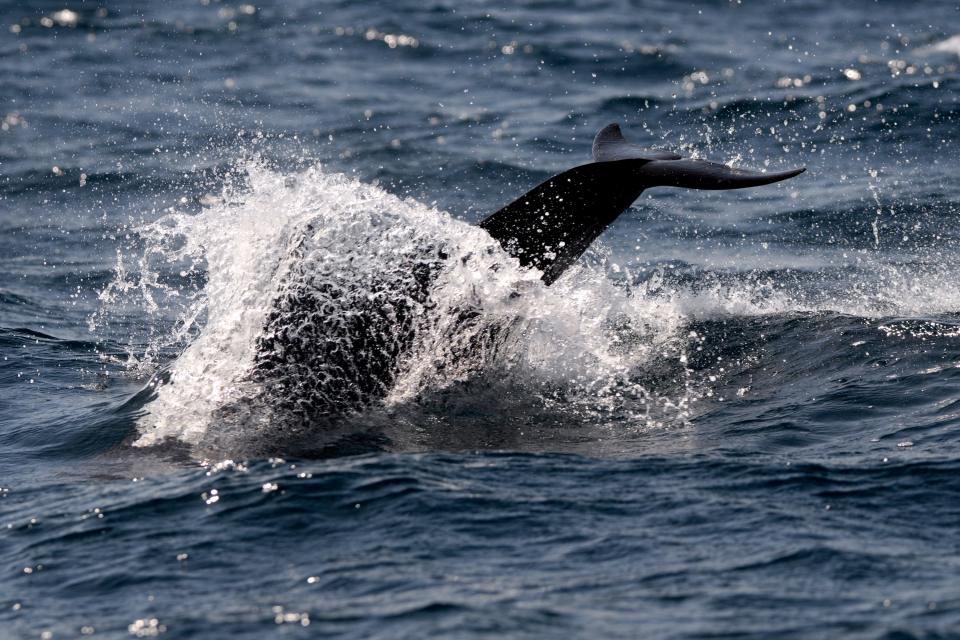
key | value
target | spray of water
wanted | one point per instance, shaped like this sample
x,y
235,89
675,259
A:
x,y
305,302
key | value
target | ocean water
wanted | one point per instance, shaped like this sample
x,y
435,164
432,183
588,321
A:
x,y
737,416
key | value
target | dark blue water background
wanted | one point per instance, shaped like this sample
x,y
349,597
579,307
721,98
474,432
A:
x,y
799,475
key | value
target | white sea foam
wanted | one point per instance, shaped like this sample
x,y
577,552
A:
x,y
251,239
583,335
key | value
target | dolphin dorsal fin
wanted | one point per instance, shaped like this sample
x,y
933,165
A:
x,y
610,145
610,134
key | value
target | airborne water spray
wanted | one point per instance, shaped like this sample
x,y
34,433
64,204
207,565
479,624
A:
x,y
586,348
349,246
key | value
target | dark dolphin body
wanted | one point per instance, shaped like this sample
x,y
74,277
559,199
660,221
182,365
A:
x,y
329,349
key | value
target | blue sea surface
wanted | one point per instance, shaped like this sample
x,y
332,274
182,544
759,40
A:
x,y
737,417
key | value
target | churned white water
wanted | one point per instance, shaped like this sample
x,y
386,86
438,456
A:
x,y
334,231
359,255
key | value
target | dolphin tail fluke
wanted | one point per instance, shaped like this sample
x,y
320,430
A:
x,y
551,225
701,174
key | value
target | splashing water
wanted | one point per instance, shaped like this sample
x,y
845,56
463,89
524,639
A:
x,y
323,296
325,301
